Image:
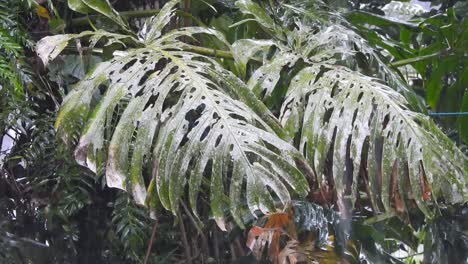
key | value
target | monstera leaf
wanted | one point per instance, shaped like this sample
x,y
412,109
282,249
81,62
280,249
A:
x,y
364,129
181,116
360,133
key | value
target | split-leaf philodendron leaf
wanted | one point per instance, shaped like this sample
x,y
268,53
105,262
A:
x,y
358,122
185,117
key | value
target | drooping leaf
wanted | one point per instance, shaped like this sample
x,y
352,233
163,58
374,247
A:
x,y
262,17
185,117
335,44
267,238
79,6
357,122
100,6
179,114
105,8
303,233
345,47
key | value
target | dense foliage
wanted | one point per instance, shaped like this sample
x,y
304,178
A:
x,y
232,131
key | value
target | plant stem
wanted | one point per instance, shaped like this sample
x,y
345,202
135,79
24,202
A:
x,y
224,54
418,59
215,53
183,235
150,244
199,229
209,52
81,21
216,244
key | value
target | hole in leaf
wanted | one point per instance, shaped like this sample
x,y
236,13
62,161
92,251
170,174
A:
x,y
205,133
327,115
218,140
398,139
128,65
102,88
348,179
360,96
304,150
236,116
323,70
140,92
263,93
151,101
173,70
173,97
341,112
145,76
161,63
354,117
334,89
385,121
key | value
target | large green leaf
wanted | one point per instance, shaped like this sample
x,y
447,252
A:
x,y
329,41
356,122
346,47
185,118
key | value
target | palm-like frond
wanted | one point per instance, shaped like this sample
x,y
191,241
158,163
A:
x,y
13,74
182,115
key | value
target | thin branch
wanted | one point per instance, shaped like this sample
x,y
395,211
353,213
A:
x,y
150,244
183,234
216,244
197,226
238,244
187,261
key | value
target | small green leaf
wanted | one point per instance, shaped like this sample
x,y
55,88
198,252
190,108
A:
x,y
262,17
79,6
100,6
56,25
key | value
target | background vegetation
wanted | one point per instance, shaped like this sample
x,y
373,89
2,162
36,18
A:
x,y
271,62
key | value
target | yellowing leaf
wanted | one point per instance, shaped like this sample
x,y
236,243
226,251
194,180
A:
x,y
42,12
